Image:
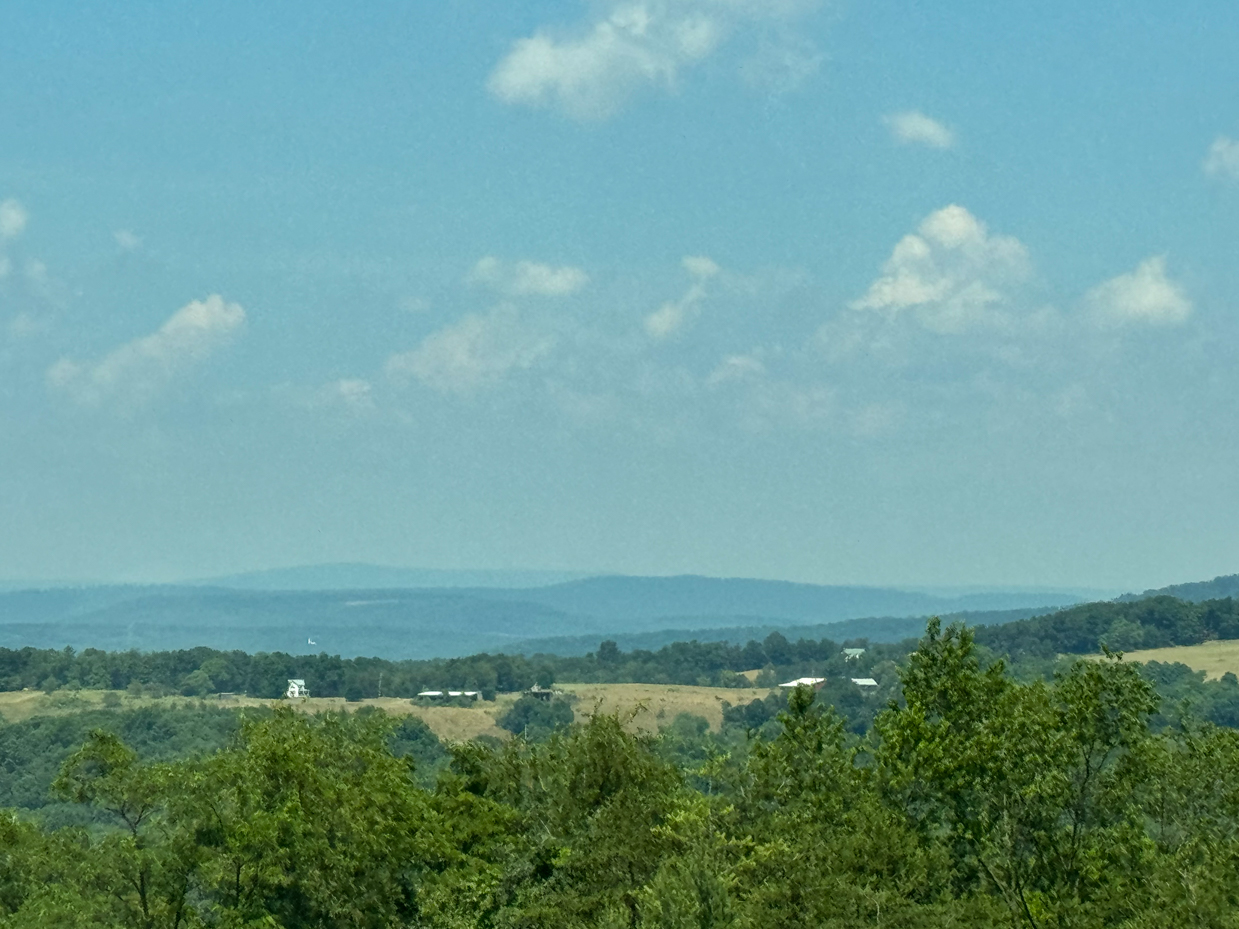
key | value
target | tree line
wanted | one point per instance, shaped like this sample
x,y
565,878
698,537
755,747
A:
x,y
976,800
203,671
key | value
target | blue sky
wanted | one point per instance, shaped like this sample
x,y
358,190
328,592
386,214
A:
x,y
835,292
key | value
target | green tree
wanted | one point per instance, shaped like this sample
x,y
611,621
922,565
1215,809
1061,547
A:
x,y
536,718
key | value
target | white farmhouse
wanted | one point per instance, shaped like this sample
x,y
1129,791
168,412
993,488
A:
x,y
296,689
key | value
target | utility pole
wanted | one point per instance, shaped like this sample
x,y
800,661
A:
x,y
380,685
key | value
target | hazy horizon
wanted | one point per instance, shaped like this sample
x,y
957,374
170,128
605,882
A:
x,y
506,577
827,293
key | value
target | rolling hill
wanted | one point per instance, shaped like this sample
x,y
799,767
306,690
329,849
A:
x,y
1226,585
445,621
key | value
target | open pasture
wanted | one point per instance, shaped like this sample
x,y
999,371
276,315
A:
x,y
651,706
1214,658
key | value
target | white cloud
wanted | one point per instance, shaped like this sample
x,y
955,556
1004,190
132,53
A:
x,y
917,128
674,315
1222,161
13,219
783,65
528,278
474,353
24,325
1146,295
951,274
128,241
736,369
782,403
134,373
633,44
351,393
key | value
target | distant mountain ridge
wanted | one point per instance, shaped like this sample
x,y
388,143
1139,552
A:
x,y
873,629
425,622
640,600
362,576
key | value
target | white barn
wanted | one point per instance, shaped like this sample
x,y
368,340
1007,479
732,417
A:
x,y
814,682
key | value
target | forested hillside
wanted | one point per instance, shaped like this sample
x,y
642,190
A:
x,y
886,629
1154,622
975,801
1217,589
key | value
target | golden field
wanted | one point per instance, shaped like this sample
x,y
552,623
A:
x,y
1214,658
651,706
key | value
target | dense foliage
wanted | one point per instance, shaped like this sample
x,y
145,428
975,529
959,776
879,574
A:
x,y
1122,626
978,800
32,751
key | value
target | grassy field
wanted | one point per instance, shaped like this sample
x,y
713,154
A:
x,y
651,706
1214,658
656,705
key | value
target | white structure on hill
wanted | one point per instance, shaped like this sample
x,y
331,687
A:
x,y
864,682
851,654
814,682
296,689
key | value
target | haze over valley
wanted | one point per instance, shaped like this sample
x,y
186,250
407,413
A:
x,y
255,612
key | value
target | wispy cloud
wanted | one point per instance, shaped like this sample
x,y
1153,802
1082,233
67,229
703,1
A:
x,y
915,128
473,354
590,72
528,278
951,274
782,63
1222,160
126,240
136,372
13,219
736,369
674,315
351,393
1146,295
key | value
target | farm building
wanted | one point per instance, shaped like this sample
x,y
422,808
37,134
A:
x,y
864,682
296,689
815,682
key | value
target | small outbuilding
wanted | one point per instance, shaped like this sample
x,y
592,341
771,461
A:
x,y
296,689
864,683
